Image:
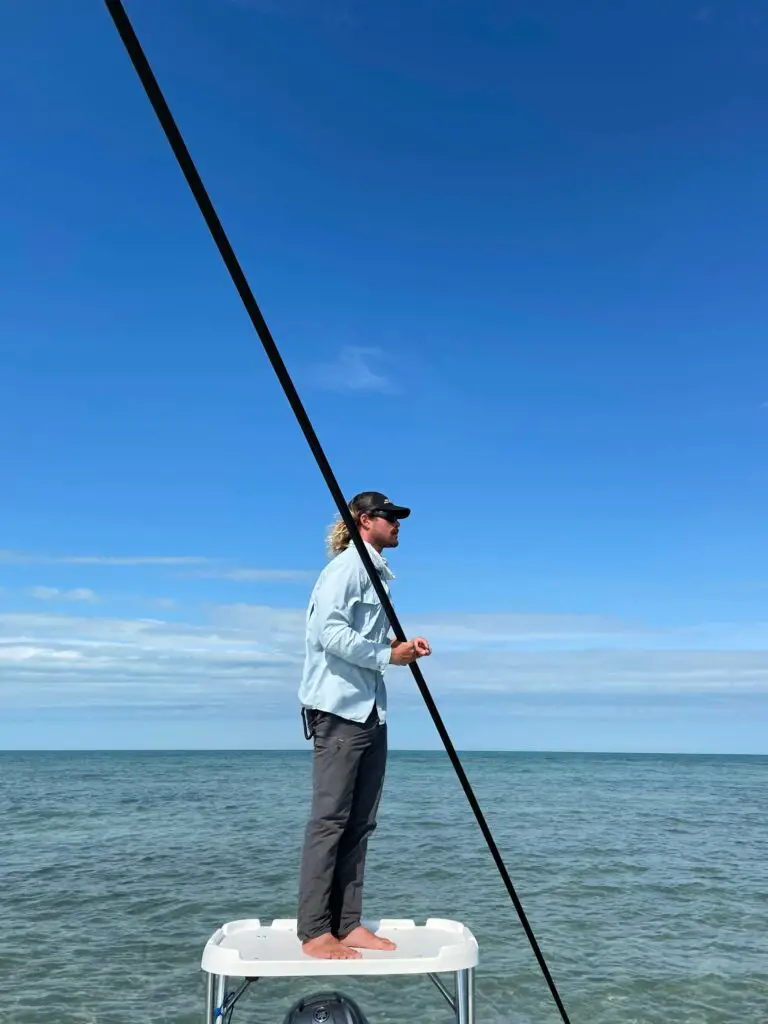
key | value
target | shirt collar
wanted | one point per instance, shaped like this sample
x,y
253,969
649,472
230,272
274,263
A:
x,y
380,562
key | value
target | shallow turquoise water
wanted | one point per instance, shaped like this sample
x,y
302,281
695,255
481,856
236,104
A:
x,y
645,879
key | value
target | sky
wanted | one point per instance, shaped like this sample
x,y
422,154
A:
x,y
513,254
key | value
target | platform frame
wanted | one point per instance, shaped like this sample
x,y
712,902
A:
x,y
458,957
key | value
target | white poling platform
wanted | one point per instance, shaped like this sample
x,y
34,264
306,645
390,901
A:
x,y
248,948
251,949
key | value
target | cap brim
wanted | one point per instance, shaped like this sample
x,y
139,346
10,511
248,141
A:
x,y
399,510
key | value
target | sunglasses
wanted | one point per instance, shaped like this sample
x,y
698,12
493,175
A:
x,y
389,516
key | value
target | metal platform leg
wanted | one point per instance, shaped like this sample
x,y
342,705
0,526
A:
x,y
210,998
221,994
216,991
465,996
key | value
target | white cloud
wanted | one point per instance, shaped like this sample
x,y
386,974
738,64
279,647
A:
x,y
61,660
458,631
256,575
247,653
211,568
55,594
25,652
617,673
80,594
353,370
25,558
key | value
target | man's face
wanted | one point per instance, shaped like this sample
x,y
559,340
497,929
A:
x,y
381,530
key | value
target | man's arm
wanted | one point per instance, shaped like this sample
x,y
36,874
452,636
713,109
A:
x,y
334,605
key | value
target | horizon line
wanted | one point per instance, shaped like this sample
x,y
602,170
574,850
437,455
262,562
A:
x,y
393,750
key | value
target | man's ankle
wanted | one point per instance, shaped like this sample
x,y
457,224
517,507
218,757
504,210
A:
x,y
314,936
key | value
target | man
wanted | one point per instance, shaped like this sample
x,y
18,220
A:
x,y
344,703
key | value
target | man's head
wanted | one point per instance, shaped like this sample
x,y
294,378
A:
x,y
377,518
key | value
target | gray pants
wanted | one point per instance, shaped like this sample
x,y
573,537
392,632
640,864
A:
x,y
347,779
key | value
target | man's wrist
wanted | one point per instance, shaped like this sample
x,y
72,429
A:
x,y
384,657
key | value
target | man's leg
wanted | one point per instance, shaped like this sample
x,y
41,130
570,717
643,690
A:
x,y
337,755
347,899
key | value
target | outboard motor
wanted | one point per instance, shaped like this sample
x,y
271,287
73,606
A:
x,y
325,1008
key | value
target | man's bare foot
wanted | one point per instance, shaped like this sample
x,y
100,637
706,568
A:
x,y
365,939
328,947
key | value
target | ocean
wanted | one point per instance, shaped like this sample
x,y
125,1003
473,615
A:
x,y
644,878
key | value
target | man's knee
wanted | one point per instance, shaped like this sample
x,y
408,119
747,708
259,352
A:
x,y
328,826
357,832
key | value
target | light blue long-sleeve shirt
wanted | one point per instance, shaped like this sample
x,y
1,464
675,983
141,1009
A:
x,y
347,648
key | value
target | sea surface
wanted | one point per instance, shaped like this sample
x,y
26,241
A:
x,y
644,878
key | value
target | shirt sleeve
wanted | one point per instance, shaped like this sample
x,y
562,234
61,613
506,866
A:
x,y
334,604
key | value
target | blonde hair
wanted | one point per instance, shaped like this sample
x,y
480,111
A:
x,y
339,537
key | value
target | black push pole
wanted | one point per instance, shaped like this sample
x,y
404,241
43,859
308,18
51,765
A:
x,y
156,98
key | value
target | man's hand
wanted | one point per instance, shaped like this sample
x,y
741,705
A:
x,y
406,651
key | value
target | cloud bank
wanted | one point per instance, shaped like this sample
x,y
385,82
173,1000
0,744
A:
x,y
253,652
199,566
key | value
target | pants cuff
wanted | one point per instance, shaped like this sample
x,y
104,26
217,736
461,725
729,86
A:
x,y
314,933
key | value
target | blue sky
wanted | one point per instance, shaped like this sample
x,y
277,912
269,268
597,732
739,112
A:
x,y
514,257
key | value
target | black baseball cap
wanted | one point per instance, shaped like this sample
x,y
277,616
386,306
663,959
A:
x,y
375,501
